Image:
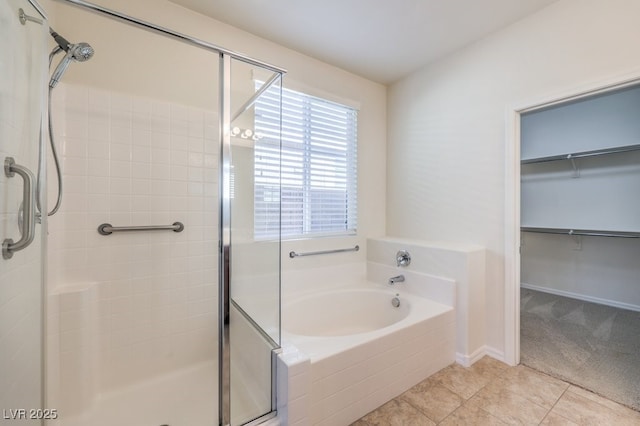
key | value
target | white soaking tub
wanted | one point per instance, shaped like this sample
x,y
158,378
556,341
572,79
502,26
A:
x,y
363,350
344,312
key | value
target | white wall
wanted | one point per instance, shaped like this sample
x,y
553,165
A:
x,y
446,128
600,270
553,194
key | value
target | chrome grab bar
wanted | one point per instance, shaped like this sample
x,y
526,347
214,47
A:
x,y
28,225
108,229
293,254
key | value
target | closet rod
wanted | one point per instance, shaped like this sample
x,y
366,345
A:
x,y
581,232
583,154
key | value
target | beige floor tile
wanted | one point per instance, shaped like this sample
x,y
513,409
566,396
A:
x,y
554,419
397,413
436,401
463,381
586,411
618,408
538,388
508,406
489,368
427,383
498,394
467,415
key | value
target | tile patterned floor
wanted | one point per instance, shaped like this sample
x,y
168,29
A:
x,y
492,393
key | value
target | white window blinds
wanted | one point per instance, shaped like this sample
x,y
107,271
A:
x,y
318,159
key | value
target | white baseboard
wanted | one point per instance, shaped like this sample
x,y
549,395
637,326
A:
x,y
495,354
583,297
469,360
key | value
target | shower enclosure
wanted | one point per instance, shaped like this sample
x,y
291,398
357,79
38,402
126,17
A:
x,y
22,67
141,327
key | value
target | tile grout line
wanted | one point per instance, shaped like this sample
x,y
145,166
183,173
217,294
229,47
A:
x,y
464,401
556,403
434,383
418,408
537,372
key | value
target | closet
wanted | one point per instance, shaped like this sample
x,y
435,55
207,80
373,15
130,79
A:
x,y
580,251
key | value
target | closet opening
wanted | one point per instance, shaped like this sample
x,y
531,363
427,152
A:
x,y
577,271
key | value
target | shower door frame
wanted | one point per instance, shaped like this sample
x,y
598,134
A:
x,y
43,19
225,118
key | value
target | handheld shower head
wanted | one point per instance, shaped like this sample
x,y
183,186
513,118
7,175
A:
x,y
80,52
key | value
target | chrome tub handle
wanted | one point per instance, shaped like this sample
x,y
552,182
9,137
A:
x,y
28,226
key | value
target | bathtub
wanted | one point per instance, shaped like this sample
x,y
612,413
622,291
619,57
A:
x,y
362,349
345,312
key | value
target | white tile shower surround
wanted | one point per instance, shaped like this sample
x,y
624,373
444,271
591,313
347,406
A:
x,y
125,308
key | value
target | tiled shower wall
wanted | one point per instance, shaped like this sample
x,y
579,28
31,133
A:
x,y
129,306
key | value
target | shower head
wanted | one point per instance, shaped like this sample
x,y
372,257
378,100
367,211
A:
x,y
80,52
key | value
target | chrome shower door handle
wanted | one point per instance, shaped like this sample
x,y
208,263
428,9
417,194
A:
x,y
28,226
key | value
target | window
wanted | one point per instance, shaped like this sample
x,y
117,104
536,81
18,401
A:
x,y
319,189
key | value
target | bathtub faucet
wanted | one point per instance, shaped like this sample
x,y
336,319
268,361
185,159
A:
x,y
396,279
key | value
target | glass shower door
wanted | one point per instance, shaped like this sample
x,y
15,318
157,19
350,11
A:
x,y
22,64
253,137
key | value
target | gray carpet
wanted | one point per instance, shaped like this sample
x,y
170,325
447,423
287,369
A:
x,y
593,346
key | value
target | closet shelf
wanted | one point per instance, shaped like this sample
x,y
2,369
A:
x,y
583,154
581,232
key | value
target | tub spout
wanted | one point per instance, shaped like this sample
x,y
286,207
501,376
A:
x,y
396,279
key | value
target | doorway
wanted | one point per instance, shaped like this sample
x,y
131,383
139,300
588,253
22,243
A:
x,y
570,247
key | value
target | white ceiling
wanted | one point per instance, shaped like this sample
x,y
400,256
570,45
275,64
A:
x,y
382,40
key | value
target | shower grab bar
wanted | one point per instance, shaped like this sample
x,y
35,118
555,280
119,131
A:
x,y
28,222
293,254
108,229
581,232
